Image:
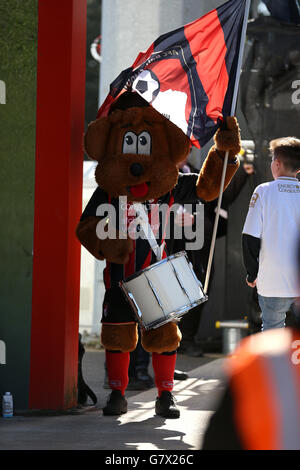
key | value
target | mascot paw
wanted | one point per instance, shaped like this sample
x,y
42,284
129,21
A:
x,y
166,338
116,250
229,139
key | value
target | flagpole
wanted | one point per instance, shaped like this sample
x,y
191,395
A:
x,y
233,107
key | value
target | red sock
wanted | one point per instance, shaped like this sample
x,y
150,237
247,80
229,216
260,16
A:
x,y
117,364
164,366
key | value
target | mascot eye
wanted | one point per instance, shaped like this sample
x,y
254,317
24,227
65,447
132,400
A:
x,y
144,143
129,142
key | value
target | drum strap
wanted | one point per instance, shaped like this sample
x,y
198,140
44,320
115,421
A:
x,y
142,219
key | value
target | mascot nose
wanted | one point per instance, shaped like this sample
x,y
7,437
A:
x,y
136,169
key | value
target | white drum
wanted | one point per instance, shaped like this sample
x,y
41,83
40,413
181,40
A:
x,y
164,291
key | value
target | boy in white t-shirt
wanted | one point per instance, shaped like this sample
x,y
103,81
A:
x,y
271,234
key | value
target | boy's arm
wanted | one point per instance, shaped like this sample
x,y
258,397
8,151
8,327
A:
x,y
251,247
251,238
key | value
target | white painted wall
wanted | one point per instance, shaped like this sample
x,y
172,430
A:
x,y
91,294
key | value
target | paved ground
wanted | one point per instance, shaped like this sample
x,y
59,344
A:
x,y
139,429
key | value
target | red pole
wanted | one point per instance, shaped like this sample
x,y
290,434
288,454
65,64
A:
x,y
58,203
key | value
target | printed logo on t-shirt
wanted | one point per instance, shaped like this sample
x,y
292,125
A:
x,y
253,200
288,188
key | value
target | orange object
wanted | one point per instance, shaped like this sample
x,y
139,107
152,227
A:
x,y
265,383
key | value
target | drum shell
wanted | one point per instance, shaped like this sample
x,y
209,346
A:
x,y
164,291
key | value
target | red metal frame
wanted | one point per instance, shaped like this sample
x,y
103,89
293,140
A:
x,y
58,203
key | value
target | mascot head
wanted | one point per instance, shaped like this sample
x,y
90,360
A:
x,y
137,149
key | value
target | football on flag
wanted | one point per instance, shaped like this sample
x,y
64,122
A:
x,y
147,85
170,103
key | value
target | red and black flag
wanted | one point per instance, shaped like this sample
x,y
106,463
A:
x,y
189,74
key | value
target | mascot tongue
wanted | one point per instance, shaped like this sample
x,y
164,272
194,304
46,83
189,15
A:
x,y
139,190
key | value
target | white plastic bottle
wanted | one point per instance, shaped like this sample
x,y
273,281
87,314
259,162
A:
x,y
7,405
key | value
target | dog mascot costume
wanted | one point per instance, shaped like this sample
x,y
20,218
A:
x,y
138,151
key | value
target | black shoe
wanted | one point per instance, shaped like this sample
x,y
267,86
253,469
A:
x,y
142,381
165,406
116,404
180,375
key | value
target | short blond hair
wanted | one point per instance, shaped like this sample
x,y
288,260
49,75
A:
x,y
287,149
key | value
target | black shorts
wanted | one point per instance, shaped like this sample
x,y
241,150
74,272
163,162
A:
x,y
116,308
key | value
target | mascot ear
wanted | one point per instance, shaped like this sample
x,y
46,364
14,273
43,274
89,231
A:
x,y
179,143
96,138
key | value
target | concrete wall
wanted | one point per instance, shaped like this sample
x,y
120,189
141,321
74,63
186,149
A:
x,y
91,288
130,27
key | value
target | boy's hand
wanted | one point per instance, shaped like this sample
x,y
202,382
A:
x,y
251,284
